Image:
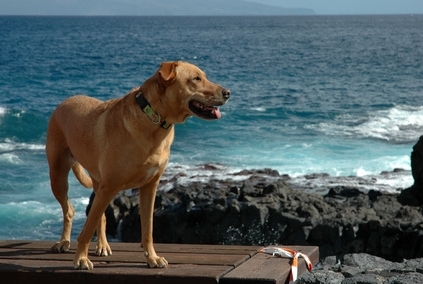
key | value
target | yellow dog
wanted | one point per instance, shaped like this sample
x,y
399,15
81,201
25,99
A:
x,y
124,143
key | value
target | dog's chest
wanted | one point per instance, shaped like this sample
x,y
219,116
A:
x,y
151,168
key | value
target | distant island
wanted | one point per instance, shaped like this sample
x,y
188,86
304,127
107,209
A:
x,y
146,8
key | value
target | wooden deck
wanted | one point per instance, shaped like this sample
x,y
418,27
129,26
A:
x,y
33,262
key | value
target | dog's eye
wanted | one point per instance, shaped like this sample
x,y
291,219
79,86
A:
x,y
197,78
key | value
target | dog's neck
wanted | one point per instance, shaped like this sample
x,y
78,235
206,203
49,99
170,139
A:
x,y
148,110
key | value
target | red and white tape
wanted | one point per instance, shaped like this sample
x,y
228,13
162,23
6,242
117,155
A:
x,y
289,253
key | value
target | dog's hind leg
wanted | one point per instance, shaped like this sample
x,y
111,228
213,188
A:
x,y
60,162
59,186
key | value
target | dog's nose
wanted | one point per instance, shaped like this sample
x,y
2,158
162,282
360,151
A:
x,y
226,94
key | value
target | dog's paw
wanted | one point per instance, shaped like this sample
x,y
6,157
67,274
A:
x,y
157,262
83,263
103,250
62,246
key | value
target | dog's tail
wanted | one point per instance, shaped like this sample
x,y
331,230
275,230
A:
x,y
81,176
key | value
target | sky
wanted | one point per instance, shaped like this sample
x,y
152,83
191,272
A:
x,y
331,7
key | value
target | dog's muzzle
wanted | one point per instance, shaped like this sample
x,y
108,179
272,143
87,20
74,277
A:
x,y
206,111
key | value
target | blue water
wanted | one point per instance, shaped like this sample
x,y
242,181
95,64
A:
x,y
315,94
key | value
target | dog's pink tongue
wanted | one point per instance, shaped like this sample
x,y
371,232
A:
x,y
217,113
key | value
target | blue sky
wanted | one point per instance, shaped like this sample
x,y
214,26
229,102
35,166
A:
x,y
330,7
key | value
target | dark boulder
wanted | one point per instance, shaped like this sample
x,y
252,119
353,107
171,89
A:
x,y
414,194
363,268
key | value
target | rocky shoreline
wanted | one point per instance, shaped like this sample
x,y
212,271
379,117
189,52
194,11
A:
x,y
265,208
367,230
361,234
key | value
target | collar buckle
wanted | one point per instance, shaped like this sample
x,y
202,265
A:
x,y
148,110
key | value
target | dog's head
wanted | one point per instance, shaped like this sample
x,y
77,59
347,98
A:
x,y
188,92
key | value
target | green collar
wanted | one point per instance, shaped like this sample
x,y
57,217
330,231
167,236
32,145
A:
x,y
148,110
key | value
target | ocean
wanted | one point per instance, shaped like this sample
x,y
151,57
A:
x,y
340,95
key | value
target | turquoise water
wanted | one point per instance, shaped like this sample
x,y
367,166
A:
x,y
315,94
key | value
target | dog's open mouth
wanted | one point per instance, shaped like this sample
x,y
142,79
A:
x,y
203,111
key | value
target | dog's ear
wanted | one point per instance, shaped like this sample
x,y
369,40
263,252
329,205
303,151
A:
x,y
167,72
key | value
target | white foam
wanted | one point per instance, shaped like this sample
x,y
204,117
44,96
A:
x,y
82,201
399,124
34,208
9,150
176,174
391,182
360,172
363,179
259,109
10,158
396,124
9,145
15,113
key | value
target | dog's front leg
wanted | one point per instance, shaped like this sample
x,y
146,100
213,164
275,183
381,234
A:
x,y
147,198
101,200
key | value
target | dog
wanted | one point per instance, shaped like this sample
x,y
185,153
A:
x,y
123,143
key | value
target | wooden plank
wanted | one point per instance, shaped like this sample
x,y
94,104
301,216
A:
x,y
129,257
265,268
27,271
185,254
135,247
20,261
24,260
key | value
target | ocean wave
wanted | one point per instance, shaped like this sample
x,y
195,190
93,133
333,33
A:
x,y
10,158
197,173
392,182
9,145
399,124
364,179
15,113
3,111
32,219
10,151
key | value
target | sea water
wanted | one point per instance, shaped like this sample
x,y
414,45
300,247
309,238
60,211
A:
x,y
340,95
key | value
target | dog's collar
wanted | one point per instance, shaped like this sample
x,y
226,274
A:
x,y
148,110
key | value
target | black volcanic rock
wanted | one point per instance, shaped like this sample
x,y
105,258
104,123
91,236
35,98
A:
x,y
414,194
362,268
265,209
